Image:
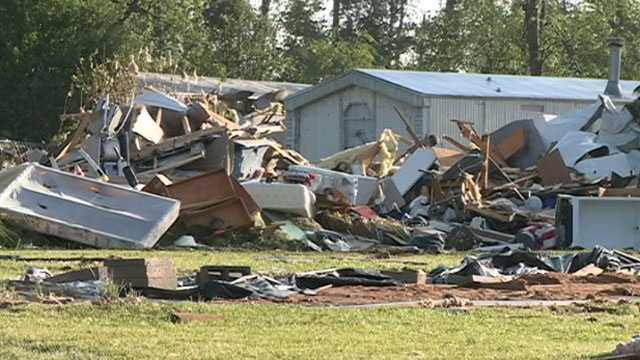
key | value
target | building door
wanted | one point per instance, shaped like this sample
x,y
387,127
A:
x,y
359,125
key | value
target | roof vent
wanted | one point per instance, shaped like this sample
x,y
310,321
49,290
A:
x,y
613,88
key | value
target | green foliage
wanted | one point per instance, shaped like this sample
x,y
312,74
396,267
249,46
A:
x,y
387,23
9,236
57,55
40,45
477,36
112,77
333,57
488,36
577,38
43,42
242,42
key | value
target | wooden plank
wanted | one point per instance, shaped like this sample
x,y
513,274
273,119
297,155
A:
x,y
173,164
514,182
589,270
469,133
622,192
490,213
417,141
455,143
78,135
486,139
159,117
185,125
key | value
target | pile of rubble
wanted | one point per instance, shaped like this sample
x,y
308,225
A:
x,y
206,171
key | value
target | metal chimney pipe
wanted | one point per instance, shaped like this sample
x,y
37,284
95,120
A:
x,y
613,88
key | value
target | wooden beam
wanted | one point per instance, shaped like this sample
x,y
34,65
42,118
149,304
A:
x,y
455,143
486,139
78,135
186,126
417,141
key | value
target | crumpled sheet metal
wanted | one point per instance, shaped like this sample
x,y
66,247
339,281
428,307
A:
x,y
83,210
521,262
552,130
152,97
576,144
145,126
621,164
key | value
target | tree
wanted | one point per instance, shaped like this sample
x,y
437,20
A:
x,y
386,23
265,7
41,44
243,43
335,16
302,25
312,51
476,36
439,44
332,57
534,11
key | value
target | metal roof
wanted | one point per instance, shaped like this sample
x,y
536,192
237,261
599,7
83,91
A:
x,y
413,86
204,84
501,86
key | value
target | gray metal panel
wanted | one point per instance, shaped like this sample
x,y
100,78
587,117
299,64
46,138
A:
x,y
500,112
443,110
611,222
84,210
179,84
351,79
359,124
496,86
320,131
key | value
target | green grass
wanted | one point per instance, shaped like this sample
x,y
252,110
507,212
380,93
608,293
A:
x,y
144,330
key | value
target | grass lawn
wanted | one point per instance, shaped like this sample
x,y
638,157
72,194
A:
x,y
144,330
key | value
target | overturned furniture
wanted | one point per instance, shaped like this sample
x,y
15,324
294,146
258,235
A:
x,y
83,210
211,201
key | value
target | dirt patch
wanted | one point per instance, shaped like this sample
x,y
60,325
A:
x,y
549,286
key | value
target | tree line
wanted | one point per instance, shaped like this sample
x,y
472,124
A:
x,y
47,47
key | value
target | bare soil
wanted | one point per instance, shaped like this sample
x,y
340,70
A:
x,y
549,286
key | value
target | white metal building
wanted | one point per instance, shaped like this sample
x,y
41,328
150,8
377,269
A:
x,y
356,107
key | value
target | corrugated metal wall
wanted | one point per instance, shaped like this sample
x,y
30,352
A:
x,y
487,114
321,133
321,123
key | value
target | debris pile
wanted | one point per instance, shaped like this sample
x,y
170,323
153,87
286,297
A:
x,y
207,171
